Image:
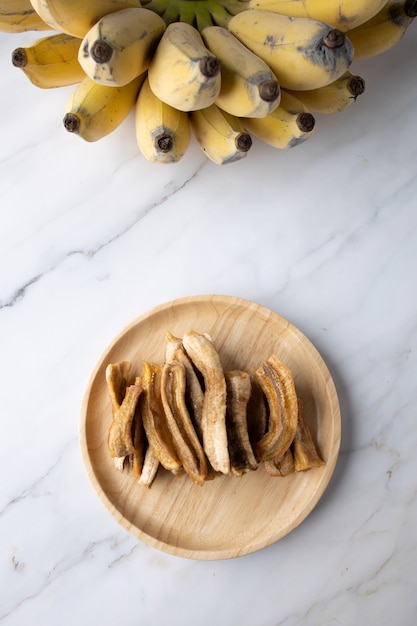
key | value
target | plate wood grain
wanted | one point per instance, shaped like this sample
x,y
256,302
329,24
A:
x,y
228,516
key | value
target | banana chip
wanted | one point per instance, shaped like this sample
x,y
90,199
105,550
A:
x,y
305,453
124,399
277,382
205,358
154,419
242,458
186,442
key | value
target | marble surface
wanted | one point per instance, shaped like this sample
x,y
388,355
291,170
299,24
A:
x,y
92,236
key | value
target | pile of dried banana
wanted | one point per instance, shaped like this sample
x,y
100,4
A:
x,y
189,415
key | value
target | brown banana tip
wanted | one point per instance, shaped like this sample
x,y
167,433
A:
x,y
243,142
334,39
269,90
356,86
306,122
164,143
72,123
19,57
209,66
101,51
410,8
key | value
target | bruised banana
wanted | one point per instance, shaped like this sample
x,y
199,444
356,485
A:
x,y
183,72
19,16
289,125
248,86
220,135
50,61
162,132
76,17
94,111
335,97
383,31
302,53
120,46
341,14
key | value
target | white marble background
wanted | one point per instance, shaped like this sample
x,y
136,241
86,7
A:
x,y
92,236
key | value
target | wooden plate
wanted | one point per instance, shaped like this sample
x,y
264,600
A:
x,y
226,517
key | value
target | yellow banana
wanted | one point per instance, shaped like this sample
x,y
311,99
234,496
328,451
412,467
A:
x,y
341,14
287,126
384,30
220,135
162,132
335,97
183,72
94,111
120,45
248,86
50,61
76,17
19,16
303,53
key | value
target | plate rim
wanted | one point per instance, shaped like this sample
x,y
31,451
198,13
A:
x,y
138,533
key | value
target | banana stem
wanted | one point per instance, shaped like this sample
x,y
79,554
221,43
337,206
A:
x,y
334,39
199,13
19,57
356,86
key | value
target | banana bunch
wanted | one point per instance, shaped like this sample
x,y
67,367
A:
x,y
223,71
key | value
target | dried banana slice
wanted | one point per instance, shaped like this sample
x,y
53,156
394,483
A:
x,y
277,383
205,358
305,453
134,461
194,394
149,469
120,442
281,467
117,379
187,444
257,413
238,387
154,419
